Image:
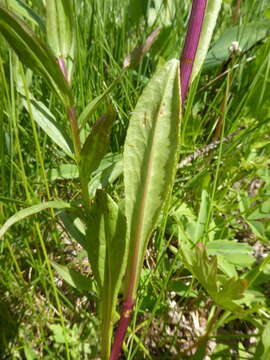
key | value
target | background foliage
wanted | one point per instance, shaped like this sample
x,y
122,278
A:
x,y
187,304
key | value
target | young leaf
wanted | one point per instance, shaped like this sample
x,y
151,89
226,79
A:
x,y
202,218
22,214
95,146
150,156
107,251
46,120
61,31
33,52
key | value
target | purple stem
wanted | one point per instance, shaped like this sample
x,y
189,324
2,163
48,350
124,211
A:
x,y
191,44
122,328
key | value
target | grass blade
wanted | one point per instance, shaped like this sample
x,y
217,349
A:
x,y
22,214
46,120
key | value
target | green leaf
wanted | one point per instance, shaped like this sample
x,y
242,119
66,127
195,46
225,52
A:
x,y
64,172
92,106
209,23
73,277
150,156
247,35
46,120
29,352
22,9
22,214
110,168
257,227
263,347
224,291
61,335
74,226
61,31
33,52
95,146
202,218
234,253
107,251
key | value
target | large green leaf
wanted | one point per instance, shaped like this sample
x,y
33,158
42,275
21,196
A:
x,y
209,23
46,120
22,214
150,155
33,52
107,251
61,31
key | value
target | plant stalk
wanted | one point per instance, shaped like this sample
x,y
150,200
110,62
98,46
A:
x,y
122,328
75,133
186,65
191,44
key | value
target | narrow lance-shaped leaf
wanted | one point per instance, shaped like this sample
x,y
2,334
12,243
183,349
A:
x,y
46,120
61,33
107,251
22,214
33,52
95,146
138,53
150,156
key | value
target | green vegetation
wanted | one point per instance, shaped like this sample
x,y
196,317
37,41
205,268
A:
x,y
89,147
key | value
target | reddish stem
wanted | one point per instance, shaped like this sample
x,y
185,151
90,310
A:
x,y
122,328
62,65
191,44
